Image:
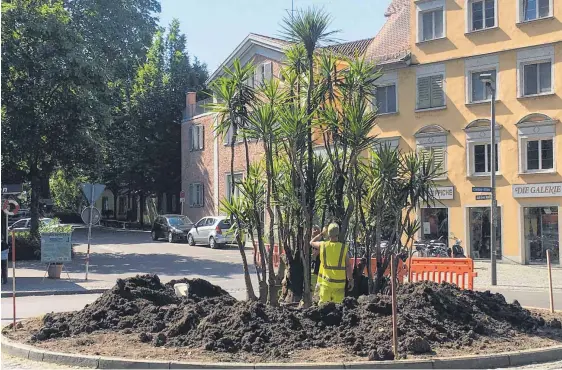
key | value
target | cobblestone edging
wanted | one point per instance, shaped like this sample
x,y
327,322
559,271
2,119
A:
x,y
475,362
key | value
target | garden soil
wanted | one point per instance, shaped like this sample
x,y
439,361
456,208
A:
x,y
429,315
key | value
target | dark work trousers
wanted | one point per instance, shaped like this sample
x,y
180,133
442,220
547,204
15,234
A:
x,y
4,271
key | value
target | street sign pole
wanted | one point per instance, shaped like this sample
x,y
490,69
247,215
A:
x,y
90,233
13,274
493,212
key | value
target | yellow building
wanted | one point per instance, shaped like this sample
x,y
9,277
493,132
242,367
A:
x,y
434,99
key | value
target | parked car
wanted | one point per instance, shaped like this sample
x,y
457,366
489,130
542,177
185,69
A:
x,y
25,224
22,213
172,227
213,231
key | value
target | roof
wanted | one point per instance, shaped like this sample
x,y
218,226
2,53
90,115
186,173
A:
x,y
392,43
351,49
270,40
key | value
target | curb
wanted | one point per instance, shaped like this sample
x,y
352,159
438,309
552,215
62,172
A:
x,y
36,293
506,359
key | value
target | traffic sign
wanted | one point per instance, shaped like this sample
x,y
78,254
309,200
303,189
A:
x,y
483,197
92,194
7,207
482,189
182,196
96,216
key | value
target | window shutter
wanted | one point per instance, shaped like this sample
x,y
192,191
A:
x,y
437,93
424,90
201,137
268,71
202,195
190,195
190,139
439,159
258,76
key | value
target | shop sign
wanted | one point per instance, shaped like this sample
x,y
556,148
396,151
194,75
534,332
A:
x,y
444,192
553,189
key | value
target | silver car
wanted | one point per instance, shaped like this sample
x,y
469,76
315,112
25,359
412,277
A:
x,y
213,231
25,224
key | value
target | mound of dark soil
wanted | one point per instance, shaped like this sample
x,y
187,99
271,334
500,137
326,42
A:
x,y
210,318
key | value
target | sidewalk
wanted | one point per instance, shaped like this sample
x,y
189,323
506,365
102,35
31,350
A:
x,y
517,277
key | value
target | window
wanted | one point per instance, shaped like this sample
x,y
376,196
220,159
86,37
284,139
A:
x,y
479,90
391,143
479,155
480,232
537,78
104,203
430,92
237,179
483,158
386,99
197,137
435,224
196,195
122,205
535,72
482,14
432,24
228,136
431,142
537,147
540,154
541,233
534,9
263,72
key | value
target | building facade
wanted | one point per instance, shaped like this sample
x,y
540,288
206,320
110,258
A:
x,y
431,100
438,102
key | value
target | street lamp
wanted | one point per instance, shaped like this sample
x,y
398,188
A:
x,y
487,79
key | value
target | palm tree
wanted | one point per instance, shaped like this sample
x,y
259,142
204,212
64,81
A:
x,y
234,97
310,28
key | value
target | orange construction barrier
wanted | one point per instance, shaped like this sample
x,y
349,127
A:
x,y
401,272
458,271
276,255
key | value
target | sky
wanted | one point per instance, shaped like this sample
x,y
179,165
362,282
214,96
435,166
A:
x,y
215,27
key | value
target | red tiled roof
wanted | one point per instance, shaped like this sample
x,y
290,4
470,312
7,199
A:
x,y
352,48
392,43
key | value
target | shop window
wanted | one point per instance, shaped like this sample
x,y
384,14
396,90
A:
x,y
537,149
431,142
480,232
541,233
435,224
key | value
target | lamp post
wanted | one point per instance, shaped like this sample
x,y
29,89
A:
x,y
487,79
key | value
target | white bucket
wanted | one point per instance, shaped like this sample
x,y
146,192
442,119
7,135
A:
x,y
180,289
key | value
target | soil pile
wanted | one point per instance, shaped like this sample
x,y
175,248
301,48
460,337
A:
x,y
212,319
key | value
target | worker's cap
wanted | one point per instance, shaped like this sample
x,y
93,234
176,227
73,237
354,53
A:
x,y
333,230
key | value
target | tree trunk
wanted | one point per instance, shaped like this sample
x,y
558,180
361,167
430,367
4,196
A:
x,y
141,211
115,205
34,206
250,294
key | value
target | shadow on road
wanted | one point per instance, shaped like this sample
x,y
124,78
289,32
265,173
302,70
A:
x,y
161,264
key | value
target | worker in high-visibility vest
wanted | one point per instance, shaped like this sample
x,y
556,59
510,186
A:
x,y
335,265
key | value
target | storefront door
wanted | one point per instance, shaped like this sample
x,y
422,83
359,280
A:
x,y
541,233
435,224
479,231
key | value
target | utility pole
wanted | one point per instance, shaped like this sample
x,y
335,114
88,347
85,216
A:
x,y
486,78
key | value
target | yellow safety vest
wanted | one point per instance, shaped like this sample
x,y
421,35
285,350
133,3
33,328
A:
x,y
332,264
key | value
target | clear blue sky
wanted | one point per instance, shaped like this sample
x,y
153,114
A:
x,y
215,27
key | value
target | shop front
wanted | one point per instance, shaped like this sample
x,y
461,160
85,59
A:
x,y
480,232
540,218
435,220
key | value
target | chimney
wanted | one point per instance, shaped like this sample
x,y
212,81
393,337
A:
x,y
190,100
